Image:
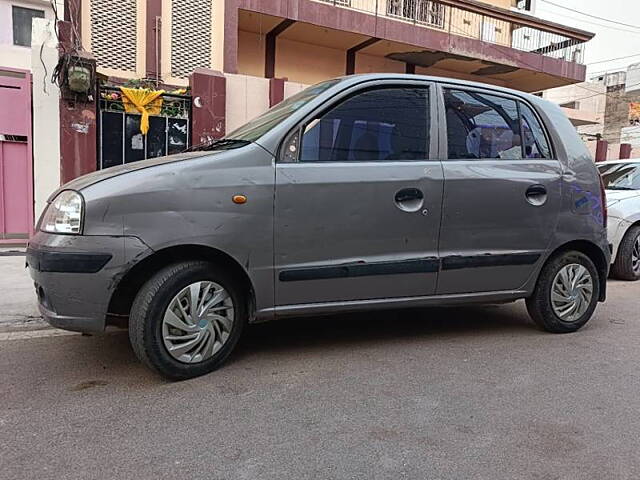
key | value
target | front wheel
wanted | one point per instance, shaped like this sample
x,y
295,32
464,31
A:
x,y
566,294
186,320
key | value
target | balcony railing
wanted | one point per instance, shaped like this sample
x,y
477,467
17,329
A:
x,y
469,20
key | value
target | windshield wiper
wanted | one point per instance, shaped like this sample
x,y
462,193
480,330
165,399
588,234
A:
x,y
221,144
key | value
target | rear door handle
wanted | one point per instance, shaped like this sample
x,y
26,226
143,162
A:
x,y
536,195
407,194
409,199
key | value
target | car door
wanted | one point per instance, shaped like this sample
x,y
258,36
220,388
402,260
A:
x,y
358,199
502,191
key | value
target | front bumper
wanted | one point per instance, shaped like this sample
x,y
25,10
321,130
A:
x,y
75,276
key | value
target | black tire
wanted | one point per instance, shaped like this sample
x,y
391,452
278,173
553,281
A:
x,y
145,321
622,268
539,304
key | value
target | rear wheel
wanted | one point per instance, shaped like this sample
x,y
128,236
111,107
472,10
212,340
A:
x,y
627,264
186,320
566,294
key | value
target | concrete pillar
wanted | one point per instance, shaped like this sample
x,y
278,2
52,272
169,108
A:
x,y
218,38
601,150
276,91
46,113
208,91
78,127
154,40
625,151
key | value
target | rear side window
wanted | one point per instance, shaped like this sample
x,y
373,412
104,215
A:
x,y
534,140
484,126
376,125
481,126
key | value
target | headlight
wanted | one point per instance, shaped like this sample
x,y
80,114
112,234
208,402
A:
x,y
64,214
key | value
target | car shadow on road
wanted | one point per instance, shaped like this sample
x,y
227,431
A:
x,y
358,329
110,357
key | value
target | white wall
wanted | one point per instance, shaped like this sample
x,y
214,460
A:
x,y
291,88
46,114
247,97
13,55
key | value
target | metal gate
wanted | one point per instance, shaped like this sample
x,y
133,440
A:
x,y
16,168
120,140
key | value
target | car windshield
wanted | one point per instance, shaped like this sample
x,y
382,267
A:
x,y
621,176
257,127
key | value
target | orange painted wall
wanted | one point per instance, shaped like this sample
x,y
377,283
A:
x,y
306,63
374,64
251,53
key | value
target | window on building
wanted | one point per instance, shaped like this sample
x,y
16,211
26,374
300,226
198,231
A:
x,y
481,126
422,11
22,24
382,124
573,104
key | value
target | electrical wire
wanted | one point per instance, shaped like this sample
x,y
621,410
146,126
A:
x,y
591,16
612,27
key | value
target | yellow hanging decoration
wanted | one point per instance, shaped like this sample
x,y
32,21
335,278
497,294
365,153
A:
x,y
144,102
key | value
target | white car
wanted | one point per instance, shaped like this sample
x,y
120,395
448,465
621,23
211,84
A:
x,y
622,183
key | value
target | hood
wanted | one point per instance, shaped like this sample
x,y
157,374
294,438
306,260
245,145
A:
x,y
100,175
614,196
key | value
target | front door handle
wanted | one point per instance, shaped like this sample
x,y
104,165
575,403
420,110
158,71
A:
x,y
409,199
536,195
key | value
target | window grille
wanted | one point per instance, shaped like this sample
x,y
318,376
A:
x,y
114,33
190,36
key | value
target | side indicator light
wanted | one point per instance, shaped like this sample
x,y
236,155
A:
x,y
239,199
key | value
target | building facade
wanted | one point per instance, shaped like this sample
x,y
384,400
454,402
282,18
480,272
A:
x,y
606,112
307,41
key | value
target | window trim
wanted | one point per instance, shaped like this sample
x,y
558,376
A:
x,y
441,86
354,90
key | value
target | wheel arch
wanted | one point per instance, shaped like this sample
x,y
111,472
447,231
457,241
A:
x,y
595,254
129,285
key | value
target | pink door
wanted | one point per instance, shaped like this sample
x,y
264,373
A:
x,y
16,168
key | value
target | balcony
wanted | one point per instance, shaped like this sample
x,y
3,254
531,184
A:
x,y
480,22
307,41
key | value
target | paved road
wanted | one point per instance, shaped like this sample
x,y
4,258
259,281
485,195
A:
x,y
473,393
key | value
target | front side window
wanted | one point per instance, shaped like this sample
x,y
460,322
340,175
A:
x,y
22,24
376,125
621,176
482,126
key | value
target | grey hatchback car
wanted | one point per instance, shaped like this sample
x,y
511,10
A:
x,y
363,192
